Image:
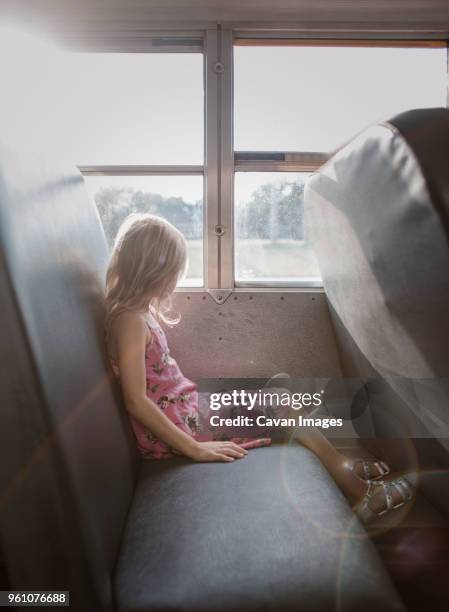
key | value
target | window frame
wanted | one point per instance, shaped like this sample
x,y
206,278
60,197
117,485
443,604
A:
x,y
221,161
159,43
303,161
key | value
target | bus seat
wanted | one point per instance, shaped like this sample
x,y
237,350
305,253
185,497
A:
x,y
378,216
79,511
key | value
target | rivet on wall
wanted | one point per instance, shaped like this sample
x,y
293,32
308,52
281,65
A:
x,y
282,297
250,297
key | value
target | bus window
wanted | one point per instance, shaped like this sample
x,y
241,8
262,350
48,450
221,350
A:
x,y
315,98
295,101
270,239
179,199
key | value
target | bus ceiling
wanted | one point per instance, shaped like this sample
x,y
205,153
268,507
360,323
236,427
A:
x,y
96,21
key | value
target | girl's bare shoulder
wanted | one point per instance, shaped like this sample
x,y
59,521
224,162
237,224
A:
x,y
131,324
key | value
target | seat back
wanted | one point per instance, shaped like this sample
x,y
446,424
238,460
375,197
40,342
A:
x,y
378,213
68,463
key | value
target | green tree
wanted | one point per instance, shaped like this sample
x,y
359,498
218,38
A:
x,y
114,204
275,211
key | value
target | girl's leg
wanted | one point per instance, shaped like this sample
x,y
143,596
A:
x,y
335,462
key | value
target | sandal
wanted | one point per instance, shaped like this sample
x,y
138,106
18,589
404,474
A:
x,y
367,469
388,488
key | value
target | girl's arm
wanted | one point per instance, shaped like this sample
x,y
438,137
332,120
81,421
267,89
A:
x,y
132,334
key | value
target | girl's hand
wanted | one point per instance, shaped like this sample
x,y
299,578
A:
x,y
217,451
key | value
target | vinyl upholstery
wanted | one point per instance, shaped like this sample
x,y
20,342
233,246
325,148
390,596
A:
x,y
266,533
68,464
378,216
270,532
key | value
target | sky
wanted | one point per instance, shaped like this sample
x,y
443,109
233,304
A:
x,y
316,98
148,108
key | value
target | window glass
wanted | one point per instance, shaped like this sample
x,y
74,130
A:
x,y
136,108
317,98
270,239
103,108
179,199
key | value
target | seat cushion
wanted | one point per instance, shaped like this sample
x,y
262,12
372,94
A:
x,y
269,532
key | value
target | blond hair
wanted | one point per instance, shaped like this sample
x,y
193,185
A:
x,y
149,256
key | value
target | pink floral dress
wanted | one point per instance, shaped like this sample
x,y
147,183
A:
x,y
178,398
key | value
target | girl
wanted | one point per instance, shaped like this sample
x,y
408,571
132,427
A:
x,y
165,409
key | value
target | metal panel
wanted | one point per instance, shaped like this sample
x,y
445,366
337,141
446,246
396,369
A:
x,y
133,41
219,169
447,76
211,190
312,281
281,156
227,162
275,161
432,29
139,170
272,39
255,334
266,166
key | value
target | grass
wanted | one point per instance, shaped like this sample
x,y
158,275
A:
x,y
262,260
